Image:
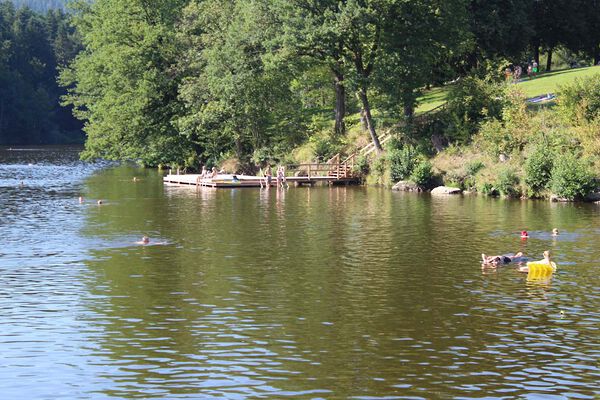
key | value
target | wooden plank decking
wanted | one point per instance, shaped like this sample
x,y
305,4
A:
x,y
237,181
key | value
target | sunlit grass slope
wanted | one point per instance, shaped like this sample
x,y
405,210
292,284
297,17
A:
x,y
546,83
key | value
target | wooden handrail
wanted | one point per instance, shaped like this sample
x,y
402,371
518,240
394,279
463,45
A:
x,y
371,146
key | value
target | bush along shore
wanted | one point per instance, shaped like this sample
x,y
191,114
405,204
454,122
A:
x,y
488,139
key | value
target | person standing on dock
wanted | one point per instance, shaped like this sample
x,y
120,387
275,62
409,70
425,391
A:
x,y
268,175
281,177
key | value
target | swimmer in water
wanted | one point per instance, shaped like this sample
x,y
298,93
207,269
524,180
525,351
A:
x,y
80,199
100,202
555,232
546,260
146,241
524,235
494,261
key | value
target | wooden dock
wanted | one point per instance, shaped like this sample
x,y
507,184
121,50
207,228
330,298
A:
x,y
335,171
239,181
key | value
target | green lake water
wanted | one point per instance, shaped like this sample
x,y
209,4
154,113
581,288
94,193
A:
x,y
308,293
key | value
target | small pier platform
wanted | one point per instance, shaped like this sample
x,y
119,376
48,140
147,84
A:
x,y
237,181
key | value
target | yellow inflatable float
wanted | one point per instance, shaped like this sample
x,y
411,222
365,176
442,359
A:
x,y
541,269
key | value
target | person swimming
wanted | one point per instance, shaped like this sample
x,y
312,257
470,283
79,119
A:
x,y
555,232
524,235
494,261
145,240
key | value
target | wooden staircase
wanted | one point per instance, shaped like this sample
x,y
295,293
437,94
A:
x,y
340,169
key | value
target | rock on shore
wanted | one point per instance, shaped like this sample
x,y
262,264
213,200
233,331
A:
x,y
446,190
406,186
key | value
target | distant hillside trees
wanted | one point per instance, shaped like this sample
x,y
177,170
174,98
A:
x,y
41,5
32,47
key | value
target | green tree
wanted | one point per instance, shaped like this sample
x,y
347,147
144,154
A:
x,y
29,95
311,34
123,84
418,36
236,96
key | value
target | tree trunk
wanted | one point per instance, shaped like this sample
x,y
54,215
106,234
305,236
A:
x,y
365,103
536,54
409,104
597,55
340,103
549,61
409,111
363,120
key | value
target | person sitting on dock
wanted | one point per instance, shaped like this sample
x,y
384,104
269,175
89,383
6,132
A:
x,y
214,172
204,172
494,261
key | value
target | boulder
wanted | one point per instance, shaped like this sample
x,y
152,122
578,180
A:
x,y
555,199
406,186
446,190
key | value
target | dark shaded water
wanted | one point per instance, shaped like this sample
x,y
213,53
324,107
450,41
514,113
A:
x,y
337,292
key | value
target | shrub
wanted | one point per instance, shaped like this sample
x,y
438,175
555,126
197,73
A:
x,y
474,167
579,102
495,139
422,174
402,162
471,101
488,189
379,166
538,170
571,177
324,147
508,183
362,165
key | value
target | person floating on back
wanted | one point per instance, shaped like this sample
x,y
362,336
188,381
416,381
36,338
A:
x,y
494,261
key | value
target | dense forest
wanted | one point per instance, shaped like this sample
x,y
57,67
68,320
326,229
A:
x,y
41,5
32,49
199,81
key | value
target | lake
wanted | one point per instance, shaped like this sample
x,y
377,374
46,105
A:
x,y
305,293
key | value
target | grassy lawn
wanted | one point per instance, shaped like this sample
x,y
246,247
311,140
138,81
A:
x,y
550,82
432,98
543,84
